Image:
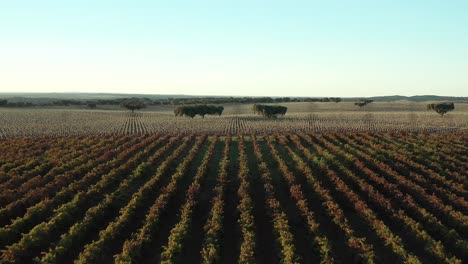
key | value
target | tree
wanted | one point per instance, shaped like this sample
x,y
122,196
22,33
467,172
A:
x,y
3,102
363,102
198,109
133,105
441,108
214,110
270,111
92,105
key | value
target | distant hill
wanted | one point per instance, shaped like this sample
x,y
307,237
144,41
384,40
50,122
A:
x,y
416,98
87,96
47,97
438,98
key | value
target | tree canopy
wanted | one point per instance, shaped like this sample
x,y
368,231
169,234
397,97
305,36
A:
x,y
133,105
198,109
363,102
269,111
441,108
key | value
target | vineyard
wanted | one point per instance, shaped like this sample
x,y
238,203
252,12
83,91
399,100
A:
x,y
303,196
57,123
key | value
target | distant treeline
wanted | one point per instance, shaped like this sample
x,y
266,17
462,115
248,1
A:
x,y
169,101
244,100
5,103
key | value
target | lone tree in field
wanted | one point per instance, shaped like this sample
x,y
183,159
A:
x,y
199,109
270,111
133,105
363,102
441,108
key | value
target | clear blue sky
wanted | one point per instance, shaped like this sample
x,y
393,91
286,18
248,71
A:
x,y
258,48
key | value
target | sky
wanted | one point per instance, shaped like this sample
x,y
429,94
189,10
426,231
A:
x,y
312,48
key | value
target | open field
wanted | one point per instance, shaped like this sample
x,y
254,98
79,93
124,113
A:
x,y
301,117
289,197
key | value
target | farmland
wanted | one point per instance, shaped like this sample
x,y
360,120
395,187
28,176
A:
x,y
327,183
234,132
236,119
312,197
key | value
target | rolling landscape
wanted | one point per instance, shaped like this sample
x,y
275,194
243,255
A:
x,y
233,132
327,182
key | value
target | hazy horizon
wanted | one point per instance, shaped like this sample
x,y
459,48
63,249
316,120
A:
x,y
14,94
247,48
